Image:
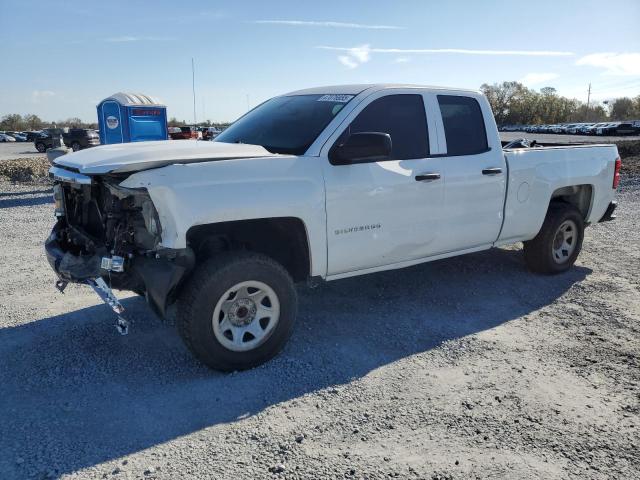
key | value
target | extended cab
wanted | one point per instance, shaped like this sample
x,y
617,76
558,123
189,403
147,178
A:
x,y
318,184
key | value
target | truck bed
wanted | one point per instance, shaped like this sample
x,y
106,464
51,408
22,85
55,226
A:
x,y
537,174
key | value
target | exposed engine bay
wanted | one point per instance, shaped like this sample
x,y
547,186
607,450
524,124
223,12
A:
x,y
113,233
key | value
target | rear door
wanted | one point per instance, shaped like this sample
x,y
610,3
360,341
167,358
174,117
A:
x,y
384,212
475,172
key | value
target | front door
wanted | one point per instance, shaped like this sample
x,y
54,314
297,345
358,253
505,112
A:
x,y
384,212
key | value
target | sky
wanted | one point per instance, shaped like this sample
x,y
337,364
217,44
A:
x,y
60,58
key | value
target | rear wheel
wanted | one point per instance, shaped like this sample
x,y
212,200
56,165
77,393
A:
x,y
237,310
557,245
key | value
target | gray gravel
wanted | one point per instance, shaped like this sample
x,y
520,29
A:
x,y
9,151
463,368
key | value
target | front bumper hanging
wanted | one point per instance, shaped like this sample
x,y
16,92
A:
x,y
106,294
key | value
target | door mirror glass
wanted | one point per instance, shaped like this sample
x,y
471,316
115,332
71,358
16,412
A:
x,y
361,147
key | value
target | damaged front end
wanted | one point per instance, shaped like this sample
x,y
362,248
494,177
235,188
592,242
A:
x,y
108,236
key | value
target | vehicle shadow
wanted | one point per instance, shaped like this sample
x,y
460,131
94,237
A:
x,y
71,384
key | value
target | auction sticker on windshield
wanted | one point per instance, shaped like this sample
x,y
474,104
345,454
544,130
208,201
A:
x,y
335,98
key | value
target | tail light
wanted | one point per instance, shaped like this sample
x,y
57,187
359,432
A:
x,y
616,173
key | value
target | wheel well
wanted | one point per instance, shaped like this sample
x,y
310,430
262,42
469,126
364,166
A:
x,y
284,239
577,195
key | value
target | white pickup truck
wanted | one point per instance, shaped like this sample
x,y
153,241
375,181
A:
x,y
317,184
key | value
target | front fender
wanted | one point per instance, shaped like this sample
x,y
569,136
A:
x,y
242,189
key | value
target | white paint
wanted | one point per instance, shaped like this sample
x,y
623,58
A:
x,y
129,157
523,192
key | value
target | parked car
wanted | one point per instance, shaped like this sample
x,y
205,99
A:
x,y
6,138
19,137
584,128
593,128
573,128
626,128
210,133
31,136
79,138
284,195
48,138
607,129
182,133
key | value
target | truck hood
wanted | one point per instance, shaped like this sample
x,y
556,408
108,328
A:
x,y
134,157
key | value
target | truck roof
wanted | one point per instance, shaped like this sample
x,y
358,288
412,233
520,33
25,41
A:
x,y
356,89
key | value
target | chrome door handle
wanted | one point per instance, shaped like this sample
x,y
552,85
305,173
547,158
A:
x,y
427,177
491,171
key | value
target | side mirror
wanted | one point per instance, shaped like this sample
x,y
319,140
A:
x,y
361,148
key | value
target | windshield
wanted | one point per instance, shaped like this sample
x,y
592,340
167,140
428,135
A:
x,y
286,124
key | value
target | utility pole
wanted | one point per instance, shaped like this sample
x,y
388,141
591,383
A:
x,y
588,100
193,86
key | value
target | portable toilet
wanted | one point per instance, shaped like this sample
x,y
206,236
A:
x,y
131,117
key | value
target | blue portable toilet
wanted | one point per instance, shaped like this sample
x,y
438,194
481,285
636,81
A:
x,y
131,117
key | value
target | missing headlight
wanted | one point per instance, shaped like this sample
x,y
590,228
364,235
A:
x,y
151,219
58,199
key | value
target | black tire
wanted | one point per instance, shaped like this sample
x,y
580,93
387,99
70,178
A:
x,y
75,146
199,297
539,252
41,147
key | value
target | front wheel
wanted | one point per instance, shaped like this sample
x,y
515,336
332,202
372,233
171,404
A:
x,y
557,245
75,146
41,147
237,310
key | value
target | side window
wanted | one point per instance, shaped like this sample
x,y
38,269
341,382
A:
x,y
403,118
463,125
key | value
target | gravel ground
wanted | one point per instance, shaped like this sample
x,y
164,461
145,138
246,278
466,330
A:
x,y
463,368
9,151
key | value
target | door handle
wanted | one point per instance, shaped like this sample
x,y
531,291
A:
x,y
427,177
491,171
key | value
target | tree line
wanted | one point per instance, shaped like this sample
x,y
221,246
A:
x,y
514,104
19,123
